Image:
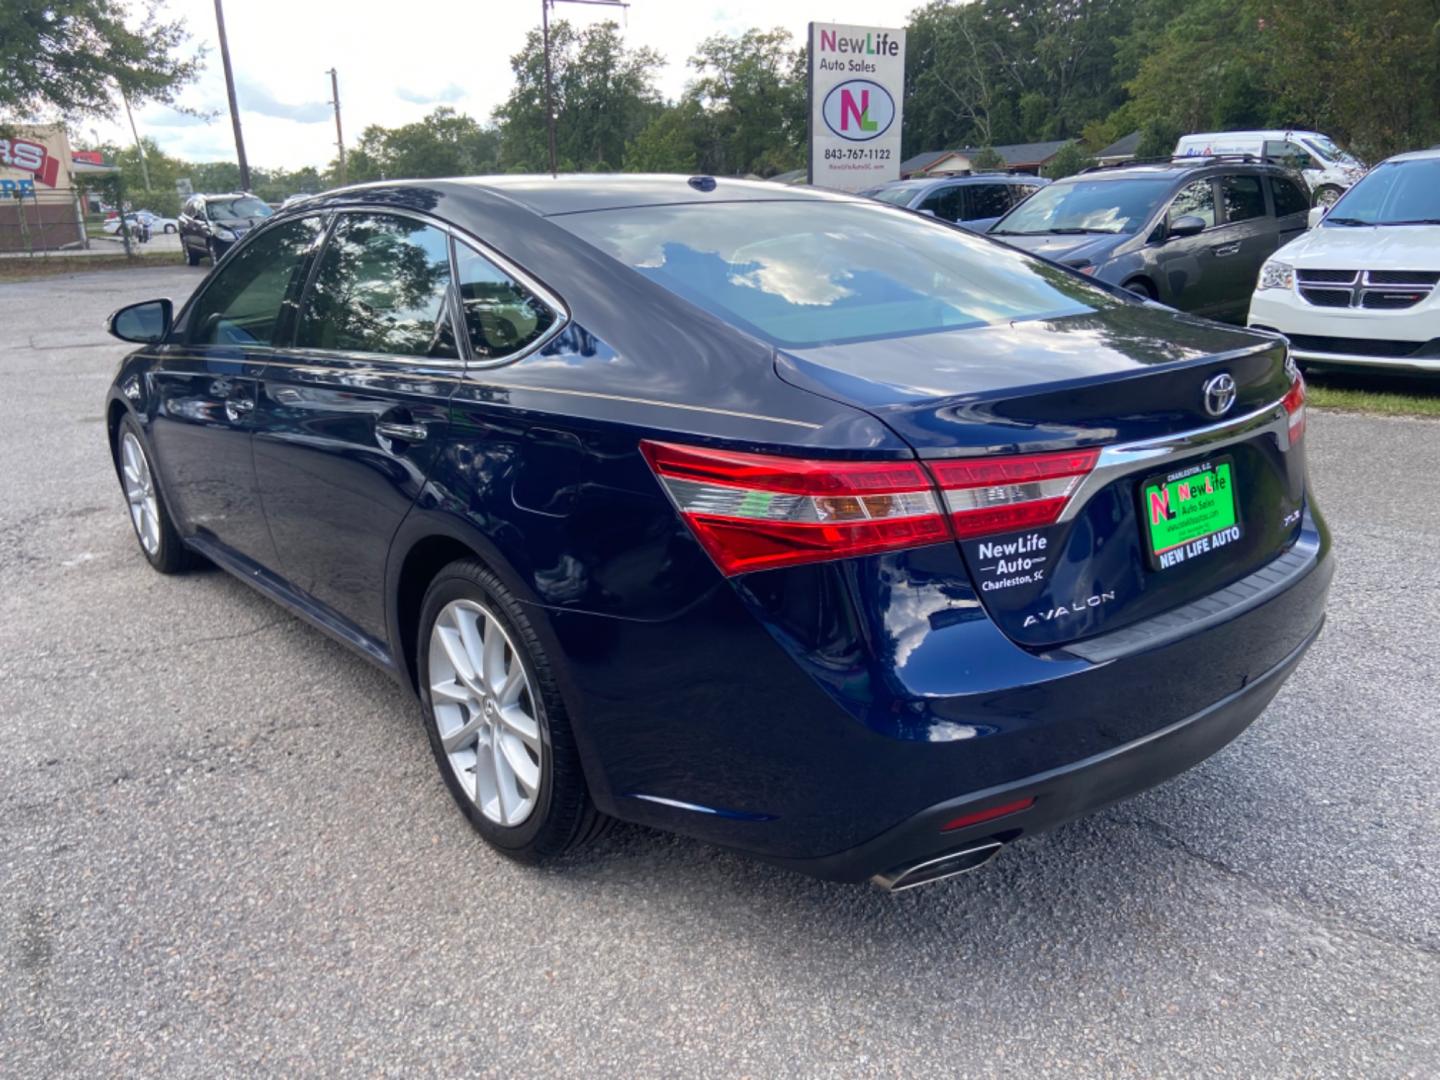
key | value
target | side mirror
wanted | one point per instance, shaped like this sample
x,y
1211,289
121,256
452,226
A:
x,y
1317,215
142,323
928,213
1189,225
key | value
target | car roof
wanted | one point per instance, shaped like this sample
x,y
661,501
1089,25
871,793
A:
x,y
577,193
918,182
1258,133
1418,155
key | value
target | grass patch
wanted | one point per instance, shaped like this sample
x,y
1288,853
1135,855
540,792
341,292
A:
x,y
1379,395
43,266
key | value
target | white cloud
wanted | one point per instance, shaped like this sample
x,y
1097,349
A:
x,y
396,64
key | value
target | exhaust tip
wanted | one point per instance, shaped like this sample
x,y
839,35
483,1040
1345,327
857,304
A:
x,y
949,865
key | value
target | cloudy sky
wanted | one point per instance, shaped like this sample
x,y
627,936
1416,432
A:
x,y
399,61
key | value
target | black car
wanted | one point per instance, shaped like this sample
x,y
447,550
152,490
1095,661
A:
x,y
787,520
211,224
1192,233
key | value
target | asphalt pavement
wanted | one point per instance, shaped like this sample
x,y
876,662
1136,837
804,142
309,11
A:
x,y
224,849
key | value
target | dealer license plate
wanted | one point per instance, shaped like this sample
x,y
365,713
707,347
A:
x,y
1190,512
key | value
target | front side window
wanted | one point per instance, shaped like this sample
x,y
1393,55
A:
x,y
807,273
1194,200
945,204
986,200
895,196
241,305
1289,198
381,287
1086,206
502,317
1289,154
1243,198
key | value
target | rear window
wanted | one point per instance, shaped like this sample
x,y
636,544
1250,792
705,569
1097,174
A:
x,y
895,196
810,273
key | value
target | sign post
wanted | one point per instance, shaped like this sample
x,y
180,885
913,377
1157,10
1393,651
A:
x,y
857,87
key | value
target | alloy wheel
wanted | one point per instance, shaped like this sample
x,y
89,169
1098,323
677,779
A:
x,y
140,493
486,712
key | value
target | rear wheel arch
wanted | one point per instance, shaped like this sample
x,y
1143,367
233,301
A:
x,y
1140,283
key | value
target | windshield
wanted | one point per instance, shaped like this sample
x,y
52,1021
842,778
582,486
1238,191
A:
x,y
811,273
241,209
1395,193
1086,206
1326,148
895,196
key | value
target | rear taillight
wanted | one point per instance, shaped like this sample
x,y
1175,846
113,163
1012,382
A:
x,y
1294,402
758,511
1001,494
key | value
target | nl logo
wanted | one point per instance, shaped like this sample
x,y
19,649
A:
x,y
858,110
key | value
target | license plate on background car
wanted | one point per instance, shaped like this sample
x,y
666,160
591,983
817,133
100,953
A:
x,y
1190,512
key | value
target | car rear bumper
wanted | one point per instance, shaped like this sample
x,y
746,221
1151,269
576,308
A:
x,y
1060,794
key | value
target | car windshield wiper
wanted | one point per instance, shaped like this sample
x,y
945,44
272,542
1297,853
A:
x,y
1014,232
1347,221
1076,230
1414,221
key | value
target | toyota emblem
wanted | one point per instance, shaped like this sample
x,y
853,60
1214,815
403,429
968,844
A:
x,y
1219,394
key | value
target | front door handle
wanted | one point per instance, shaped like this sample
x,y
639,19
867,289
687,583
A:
x,y
399,430
1226,249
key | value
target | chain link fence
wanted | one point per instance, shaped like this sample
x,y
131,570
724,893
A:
x,y
38,221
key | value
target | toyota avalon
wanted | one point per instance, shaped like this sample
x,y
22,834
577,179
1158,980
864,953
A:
x,y
786,520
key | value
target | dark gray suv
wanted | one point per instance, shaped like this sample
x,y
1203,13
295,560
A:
x,y
975,202
1191,233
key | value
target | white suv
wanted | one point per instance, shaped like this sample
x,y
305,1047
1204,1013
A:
x,y
1361,287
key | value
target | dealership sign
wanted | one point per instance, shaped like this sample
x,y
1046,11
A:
x,y
32,157
857,79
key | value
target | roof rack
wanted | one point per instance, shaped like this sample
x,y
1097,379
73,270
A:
x,y
1189,159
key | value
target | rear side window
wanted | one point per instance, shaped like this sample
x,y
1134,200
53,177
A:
x,y
242,304
502,317
381,287
1194,200
1289,199
817,272
1242,197
986,200
1288,154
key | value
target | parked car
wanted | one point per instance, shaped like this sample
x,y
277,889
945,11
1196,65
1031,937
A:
x,y
1328,170
976,201
802,525
211,224
1191,234
156,223
1360,289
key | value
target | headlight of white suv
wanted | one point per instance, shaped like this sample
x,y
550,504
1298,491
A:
x,y
1276,275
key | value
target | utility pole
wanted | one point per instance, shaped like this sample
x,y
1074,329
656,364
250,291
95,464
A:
x,y
545,6
139,149
339,135
230,90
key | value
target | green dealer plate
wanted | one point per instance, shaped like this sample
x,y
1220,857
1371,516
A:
x,y
1189,513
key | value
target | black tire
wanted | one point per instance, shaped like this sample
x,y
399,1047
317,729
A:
x,y
169,229
1142,289
170,556
1327,195
191,255
564,816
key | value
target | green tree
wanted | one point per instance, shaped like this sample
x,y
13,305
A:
x,y
667,143
604,94
986,159
749,97
445,143
1071,159
68,57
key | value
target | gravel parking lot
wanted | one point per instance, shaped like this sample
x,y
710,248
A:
x,y
224,849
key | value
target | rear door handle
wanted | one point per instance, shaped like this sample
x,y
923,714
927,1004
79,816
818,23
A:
x,y
1226,249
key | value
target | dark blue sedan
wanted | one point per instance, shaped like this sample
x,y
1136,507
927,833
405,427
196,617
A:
x,y
789,521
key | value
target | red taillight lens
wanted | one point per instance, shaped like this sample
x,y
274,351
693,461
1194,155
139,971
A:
x,y
758,511
1294,402
995,495
988,815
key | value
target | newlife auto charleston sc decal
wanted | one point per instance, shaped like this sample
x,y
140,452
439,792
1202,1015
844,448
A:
x,y
857,82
